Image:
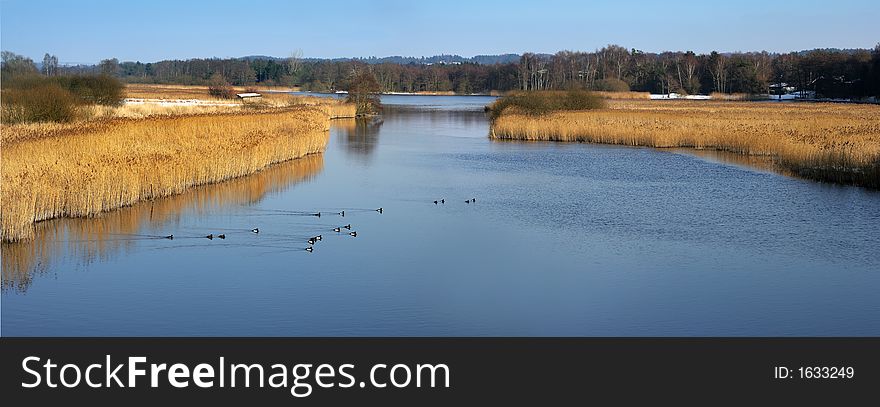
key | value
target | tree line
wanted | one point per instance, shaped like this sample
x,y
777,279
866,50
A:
x,y
829,72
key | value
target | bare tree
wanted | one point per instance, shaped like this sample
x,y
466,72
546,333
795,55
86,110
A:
x,y
109,66
17,64
50,65
718,70
691,84
294,64
616,57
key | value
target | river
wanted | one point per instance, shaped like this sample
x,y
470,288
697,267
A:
x,y
563,239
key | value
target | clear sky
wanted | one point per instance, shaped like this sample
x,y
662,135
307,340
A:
x,y
87,31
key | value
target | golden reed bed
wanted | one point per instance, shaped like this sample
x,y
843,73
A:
x,y
104,235
822,141
83,169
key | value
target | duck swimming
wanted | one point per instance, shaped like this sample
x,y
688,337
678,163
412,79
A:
x,y
210,237
337,229
255,230
169,237
309,249
353,234
222,236
348,226
379,210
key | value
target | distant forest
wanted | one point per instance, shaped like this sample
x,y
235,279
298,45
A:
x,y
832,73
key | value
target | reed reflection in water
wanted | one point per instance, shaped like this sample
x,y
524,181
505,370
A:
x,y
98,238
757,162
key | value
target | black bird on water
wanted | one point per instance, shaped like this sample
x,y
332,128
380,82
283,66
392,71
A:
x,y
342,213
210,237
255,230
443,201
435,202
379,210
348,226
353,234
169,237
222,236
467,201
317,214
312,240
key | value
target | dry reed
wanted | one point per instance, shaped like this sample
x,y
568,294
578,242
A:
x,y
83,169
98,237
827,142
623,95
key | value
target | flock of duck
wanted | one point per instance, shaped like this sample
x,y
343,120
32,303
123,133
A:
x,y
443,201
311,239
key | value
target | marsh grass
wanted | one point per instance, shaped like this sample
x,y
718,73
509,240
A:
x,y
623,95
827,142
81,169
88,239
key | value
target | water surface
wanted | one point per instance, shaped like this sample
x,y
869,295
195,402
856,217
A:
x,y
564,239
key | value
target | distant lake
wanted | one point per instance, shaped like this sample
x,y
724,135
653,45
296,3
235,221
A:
x,y
563,239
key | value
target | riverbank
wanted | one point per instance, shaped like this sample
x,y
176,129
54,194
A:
x,y
85,168
820,141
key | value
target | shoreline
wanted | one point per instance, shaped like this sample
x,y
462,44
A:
x,y
817,141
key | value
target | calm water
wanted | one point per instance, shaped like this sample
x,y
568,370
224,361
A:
x,y
564,239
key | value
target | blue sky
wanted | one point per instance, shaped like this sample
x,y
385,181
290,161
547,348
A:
x,y
87,31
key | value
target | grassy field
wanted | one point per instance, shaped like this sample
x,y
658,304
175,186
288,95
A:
x,y
153,91
822,141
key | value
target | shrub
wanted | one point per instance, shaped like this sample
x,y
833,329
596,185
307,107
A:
x,y
98,89
219,88
46,102
612,85
543,102
88,89
363,92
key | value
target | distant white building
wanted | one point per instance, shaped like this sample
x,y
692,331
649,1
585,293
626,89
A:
x,y
781,88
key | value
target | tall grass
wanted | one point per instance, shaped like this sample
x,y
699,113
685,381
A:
x,y
622,95
335,108
827,142
83,169
88,239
